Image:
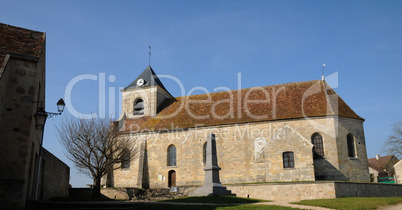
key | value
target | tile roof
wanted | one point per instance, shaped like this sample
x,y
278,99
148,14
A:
x,y
284,101
380,163
20,40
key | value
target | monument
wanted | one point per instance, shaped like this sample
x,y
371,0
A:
x,y
212,186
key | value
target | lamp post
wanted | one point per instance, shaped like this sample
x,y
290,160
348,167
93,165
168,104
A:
x,y
40,119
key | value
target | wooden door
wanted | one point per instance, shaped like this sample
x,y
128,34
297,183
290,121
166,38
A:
x,y
172,178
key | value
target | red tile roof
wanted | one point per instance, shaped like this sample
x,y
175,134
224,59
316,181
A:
x,y
284,101
20,40
380,163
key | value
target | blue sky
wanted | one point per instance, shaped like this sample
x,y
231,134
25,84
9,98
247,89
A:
x,y
206,43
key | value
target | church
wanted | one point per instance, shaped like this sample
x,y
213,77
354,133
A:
x,y
301,131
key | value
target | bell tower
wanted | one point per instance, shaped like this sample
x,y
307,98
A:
x,y
144,96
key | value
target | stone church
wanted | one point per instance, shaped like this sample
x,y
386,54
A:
x,y
301,131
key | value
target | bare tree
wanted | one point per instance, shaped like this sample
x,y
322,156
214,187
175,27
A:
x,y
95,147
393,144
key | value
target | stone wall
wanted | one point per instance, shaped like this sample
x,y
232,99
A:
x,y
291,192
21,84
249,153
56,177
285,191
353,189
315,190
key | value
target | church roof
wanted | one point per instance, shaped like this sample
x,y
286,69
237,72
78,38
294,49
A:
x,y
277,102
149,77
16,40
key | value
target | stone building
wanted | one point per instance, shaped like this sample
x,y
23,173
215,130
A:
x,y
382,166
22,92
300,131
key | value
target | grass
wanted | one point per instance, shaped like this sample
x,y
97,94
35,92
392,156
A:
x,y
214,200
208,207
353,203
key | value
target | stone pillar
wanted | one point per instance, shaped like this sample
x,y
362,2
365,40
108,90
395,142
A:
x,y
212,185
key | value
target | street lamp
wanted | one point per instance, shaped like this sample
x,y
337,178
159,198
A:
x,y
40,118
41,115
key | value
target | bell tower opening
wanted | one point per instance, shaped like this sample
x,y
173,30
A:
x,y
138,107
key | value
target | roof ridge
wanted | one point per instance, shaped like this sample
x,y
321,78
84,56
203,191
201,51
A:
x,y
266,86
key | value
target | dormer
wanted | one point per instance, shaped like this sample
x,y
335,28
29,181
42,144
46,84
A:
x,y
144,96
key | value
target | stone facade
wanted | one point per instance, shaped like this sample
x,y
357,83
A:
x,y
152,96
238,159
249,150
22,92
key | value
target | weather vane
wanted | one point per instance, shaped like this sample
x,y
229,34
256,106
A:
x,y
149,55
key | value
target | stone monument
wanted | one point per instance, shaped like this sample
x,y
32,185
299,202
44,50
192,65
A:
x,y
212,186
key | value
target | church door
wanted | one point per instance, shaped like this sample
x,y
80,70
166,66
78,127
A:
x,y
172,179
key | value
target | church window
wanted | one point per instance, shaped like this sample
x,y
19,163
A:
x,y
138,107
351,145
318,149
125,159
204,153
288,160
171,156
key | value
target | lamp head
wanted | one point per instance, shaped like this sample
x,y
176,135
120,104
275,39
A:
x,y
60,105
40,118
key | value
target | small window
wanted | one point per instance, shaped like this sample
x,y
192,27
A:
x,y
204,153
288,160
351,145
125,162
171,156
318,149
138,107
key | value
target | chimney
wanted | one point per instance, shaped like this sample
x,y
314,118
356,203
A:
x,y
377,157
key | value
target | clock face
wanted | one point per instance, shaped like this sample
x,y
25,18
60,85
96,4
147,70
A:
x,y
140,82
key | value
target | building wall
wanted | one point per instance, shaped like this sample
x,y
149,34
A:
x,y
55,178
375,174
354,168
398,172
20,87
239,154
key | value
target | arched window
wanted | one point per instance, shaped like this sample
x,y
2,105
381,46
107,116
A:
x,y
351,145
171,156
138,107
288,160
204,153
318,149
125,159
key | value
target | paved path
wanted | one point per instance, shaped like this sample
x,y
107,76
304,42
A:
x,y
393,207
284,203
